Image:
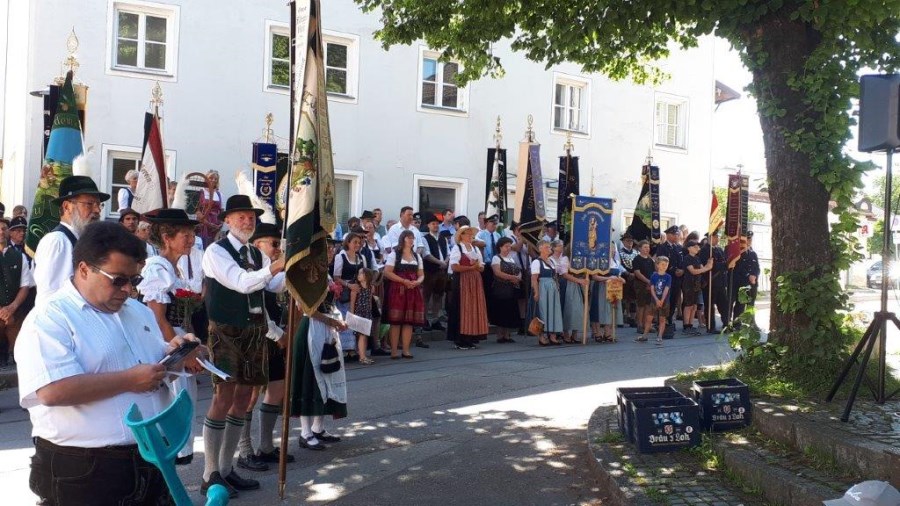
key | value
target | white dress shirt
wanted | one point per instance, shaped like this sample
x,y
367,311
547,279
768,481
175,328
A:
x,y
122,197
27,278
393,237
67,338
52,263
219,265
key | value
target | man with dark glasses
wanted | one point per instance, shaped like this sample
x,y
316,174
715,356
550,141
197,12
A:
x,y
80,204
83,359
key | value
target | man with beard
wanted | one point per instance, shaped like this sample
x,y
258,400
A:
x,y
79,204
237,275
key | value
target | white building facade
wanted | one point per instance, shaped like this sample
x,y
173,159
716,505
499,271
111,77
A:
x,y
403,132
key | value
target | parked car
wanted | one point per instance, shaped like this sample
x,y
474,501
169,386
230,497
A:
x,y
873,275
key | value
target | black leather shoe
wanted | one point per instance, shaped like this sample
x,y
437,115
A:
x,y
273,456
311,443
437,326
422,344
241,483
216,479
251,463
325,437
183,461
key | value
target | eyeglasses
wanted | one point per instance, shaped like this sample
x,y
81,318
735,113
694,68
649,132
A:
x,y
90,205
120,281
275,243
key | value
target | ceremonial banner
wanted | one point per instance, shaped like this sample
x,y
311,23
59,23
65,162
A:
x,y
495,192
645,223
569,184
64,146
151,192
310,186
265,157
51,100
530,212
591,234
733,220
715,217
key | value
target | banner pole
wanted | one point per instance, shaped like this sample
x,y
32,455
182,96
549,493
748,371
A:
x,y
587,308
710,315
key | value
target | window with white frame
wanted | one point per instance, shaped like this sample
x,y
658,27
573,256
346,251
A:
x,y
439,87
347,194
144,37
341,66
433,194
118,164
279,58
671,121
571,104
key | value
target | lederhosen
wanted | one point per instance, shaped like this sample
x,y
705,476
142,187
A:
x,y
236,335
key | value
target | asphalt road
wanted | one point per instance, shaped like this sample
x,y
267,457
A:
x,y
504,424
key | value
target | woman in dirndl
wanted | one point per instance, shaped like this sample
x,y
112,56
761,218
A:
x,y
315,394
572,290
546,295
347,265
406,305
603,313
504,312
166,289
467,319
209,208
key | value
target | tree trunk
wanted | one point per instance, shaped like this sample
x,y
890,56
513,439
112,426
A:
x,y
800,229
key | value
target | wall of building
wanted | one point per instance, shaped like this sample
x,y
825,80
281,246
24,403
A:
x,y
215,105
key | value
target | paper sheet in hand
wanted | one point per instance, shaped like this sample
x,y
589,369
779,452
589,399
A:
x,y
359,324
213,369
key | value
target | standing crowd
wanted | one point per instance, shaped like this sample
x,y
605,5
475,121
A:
x,y
113,299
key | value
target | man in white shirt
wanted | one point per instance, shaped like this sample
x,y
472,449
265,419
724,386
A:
x,y
237,275
405,223
15,284
84,359
436,280
550,232
79,204
125,197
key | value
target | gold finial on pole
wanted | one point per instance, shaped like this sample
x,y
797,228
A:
x,y
71,61
529,133
267,132
593,193
569,146
156,97
649,160
498,134
740,167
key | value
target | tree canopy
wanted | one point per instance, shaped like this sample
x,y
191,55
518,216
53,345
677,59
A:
x,y
805,57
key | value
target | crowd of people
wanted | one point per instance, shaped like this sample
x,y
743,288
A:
x,y
89,318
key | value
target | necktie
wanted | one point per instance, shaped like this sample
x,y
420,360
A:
x,y
245,257
493,245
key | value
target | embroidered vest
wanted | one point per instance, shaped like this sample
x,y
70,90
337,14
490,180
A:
x,y
11,270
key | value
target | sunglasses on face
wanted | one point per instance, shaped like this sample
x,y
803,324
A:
x,y
120,281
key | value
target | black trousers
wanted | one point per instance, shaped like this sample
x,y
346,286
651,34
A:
x,y
113,476
720,301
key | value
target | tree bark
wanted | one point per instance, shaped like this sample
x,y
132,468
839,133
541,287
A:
x,y
800,229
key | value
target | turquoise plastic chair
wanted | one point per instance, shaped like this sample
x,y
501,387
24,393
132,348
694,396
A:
x,y
160,438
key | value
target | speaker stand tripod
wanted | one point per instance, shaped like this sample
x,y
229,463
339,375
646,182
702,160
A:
x,y
877,330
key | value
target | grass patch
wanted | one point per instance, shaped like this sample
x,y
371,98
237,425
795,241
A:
x,y
709,459
656,495
611,437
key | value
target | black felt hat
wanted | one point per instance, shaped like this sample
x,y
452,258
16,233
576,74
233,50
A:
x,y
239,203
127,211
170,217
367,215
74,186
18,222
265,230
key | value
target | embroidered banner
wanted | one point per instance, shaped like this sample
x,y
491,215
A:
x,y
265,157
591,234
569,184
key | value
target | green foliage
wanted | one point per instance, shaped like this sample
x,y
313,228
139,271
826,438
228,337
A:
x,y
874,243
753,216
805,56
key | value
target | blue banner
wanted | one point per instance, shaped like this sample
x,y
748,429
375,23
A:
x,y
265,157
591,234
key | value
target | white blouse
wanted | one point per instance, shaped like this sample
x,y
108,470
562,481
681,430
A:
x,y
457,253
497,259
561,264
536,265
160,279
392,260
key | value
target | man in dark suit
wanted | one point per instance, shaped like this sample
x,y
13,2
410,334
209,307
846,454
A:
x,y
719,279
674,252
745,274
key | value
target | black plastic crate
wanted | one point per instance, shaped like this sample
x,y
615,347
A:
x,y
625,395
665,425
724,404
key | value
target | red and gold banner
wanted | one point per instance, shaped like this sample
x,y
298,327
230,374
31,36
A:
x,y
735,216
